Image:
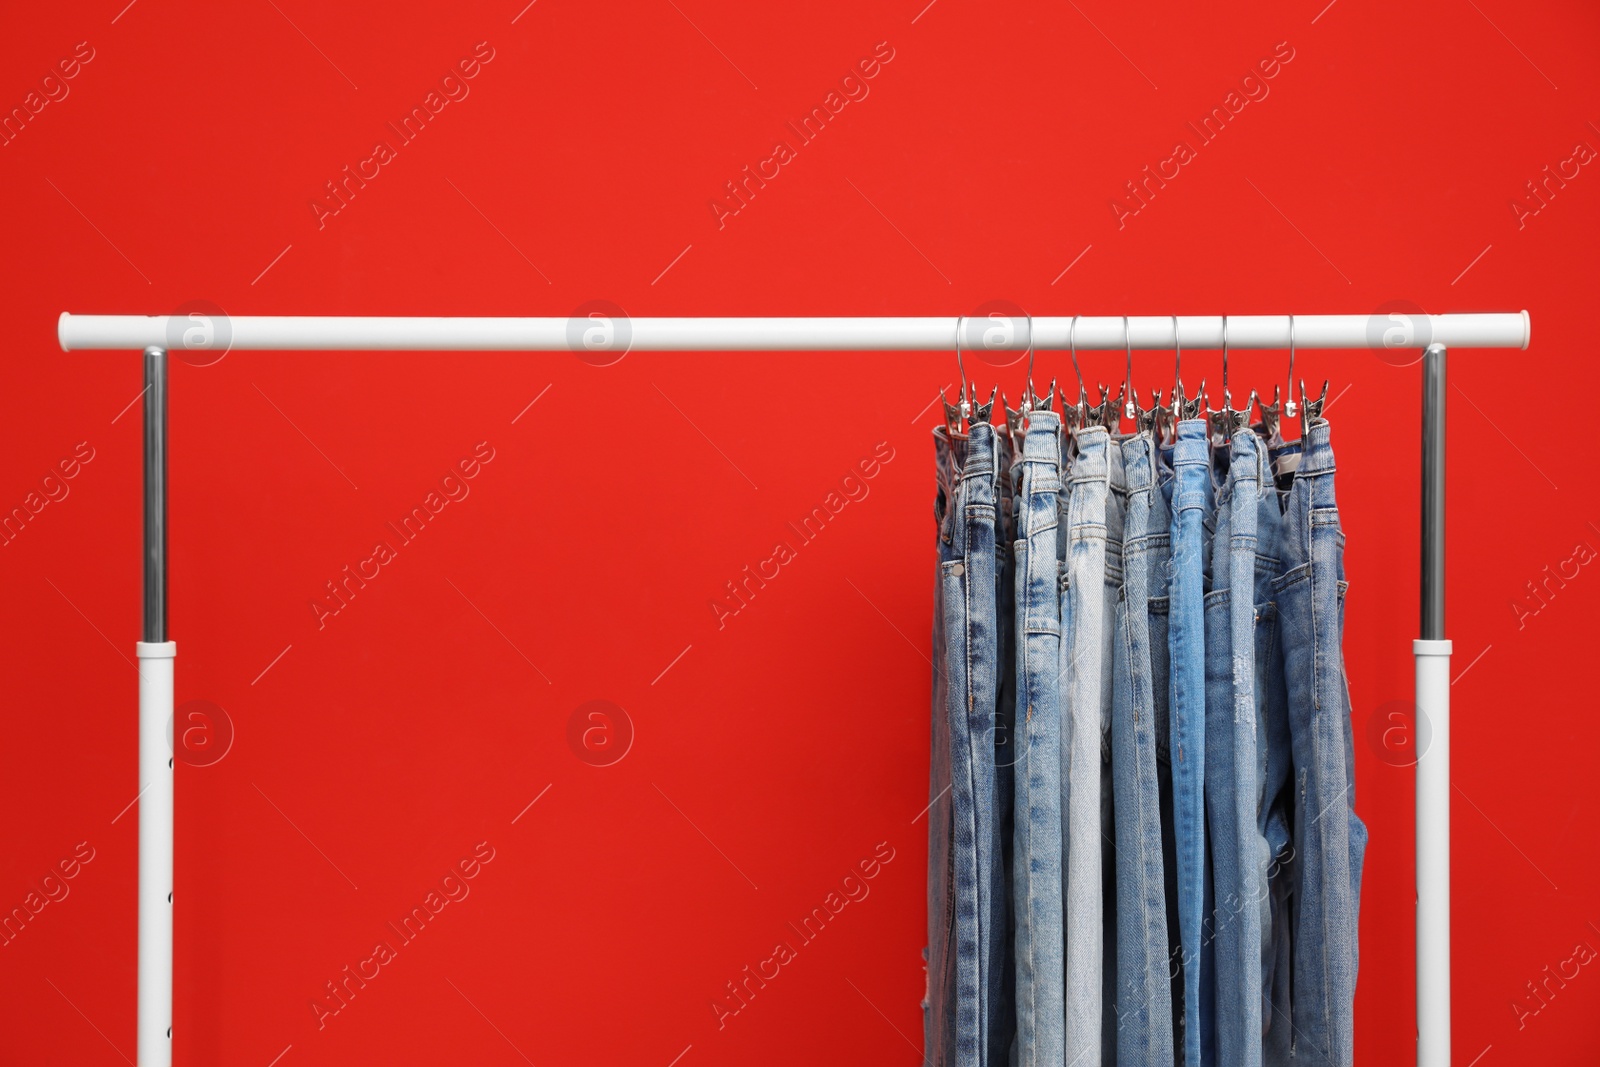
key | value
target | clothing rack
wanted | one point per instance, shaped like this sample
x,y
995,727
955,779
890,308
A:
x,y
158,334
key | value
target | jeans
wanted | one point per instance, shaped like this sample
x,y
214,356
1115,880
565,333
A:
x,y
1116,508
1274,764
939,1008
1085,685
1233,791
1001,1008
1187,722
968,585
1036,848
1329,840
1144,996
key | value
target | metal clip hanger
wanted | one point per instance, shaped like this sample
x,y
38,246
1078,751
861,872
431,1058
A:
x,y
1161,421
1108,412
1283,405
1183,406
1311,410
1031,400
1225,420
1155,419
953,413
1142,418
1017,420
1074,416
960,416
1130,406
1267,429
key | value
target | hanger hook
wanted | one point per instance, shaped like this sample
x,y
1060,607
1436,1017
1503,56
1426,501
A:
x,y
1072,343
1177,357
1225,397
1128,408
960,366
1030,357
1288,404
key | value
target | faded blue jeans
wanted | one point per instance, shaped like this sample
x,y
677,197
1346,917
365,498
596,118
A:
x,y
939,1007
1085,685
1144,992
1329,840
1241,910
1116,509
1036,847
963,833
1186,642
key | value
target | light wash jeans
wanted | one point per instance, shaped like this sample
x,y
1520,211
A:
x,y
1144,996
1116,509
1187,722
1233,786
1330,841
1036,849
1085,684
968,584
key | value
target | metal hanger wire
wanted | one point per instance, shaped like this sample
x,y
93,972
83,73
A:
x,y
1030,397
1072,344
1288,401
1130,407
961,369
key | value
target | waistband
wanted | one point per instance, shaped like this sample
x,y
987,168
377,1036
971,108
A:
x,y
1139,462
1192,448
1041,452
1316,455
1091,463
1247,462
1191,465
977,468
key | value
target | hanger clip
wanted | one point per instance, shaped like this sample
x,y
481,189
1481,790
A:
x,y
1311,410
1184,408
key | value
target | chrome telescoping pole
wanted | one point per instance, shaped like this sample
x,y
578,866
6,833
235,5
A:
x,y
155,496
1432,736
156,655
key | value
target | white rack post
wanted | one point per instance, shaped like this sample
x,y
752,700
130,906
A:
x,y
156,333
155,654
1431,727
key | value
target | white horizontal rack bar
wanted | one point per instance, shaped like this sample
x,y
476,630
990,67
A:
x,y
296,332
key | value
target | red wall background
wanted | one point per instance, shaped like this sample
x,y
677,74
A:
x,y
371,755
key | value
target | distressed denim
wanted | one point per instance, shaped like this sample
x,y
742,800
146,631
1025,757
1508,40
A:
x,y
1329,840
1187,713
1116,507
1084,682
1233,784
1144,993
968,584
939,1007
1036,848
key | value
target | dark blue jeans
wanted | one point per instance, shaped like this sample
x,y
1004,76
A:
x,y
1329,840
